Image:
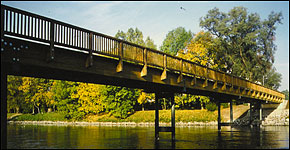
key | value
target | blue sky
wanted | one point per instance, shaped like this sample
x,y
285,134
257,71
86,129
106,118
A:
x,y
156,19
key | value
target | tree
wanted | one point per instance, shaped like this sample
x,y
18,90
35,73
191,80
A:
x,y
246,43
201,50
37,92
144,98
120,101
175,40
15,99
286,92
136,36
63,100
273,79
89,98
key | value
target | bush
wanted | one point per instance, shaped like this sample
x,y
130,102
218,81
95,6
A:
x,y
225,105
211,106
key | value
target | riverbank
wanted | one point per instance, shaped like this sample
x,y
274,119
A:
x,y
130,124
183,118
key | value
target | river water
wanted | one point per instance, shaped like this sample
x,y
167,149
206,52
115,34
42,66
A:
x,y
114,137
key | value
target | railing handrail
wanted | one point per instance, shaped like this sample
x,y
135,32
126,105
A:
x,y
122,41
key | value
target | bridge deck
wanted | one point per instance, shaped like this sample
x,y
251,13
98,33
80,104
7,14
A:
x,y
34,45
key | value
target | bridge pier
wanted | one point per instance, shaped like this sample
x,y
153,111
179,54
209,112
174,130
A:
x,y
219,116
231,112
251,112
158,129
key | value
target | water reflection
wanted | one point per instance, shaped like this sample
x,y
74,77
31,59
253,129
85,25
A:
x,y
95,137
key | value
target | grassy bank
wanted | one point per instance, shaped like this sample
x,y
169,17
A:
x,y
139,116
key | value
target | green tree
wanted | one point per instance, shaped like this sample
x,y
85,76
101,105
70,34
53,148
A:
x,y
136,36
176,40
64,102
246,43
120,101
272,79
286,92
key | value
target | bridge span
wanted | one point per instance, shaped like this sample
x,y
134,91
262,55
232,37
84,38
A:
x,y
37,46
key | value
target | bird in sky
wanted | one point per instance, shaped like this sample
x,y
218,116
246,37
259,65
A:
x,y
182,8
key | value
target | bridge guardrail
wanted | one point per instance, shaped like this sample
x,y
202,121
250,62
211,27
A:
x,y
27,25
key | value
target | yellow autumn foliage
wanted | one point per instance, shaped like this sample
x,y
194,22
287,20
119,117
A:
x,y
200,50
89,97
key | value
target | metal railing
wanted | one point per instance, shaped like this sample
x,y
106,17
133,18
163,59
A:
x,y
27,25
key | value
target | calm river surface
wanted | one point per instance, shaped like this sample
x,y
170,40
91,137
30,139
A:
x,y
114,137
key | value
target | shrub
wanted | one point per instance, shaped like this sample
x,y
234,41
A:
x,y
225,105
211,106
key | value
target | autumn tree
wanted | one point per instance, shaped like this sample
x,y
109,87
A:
x,y
145,98
245,41
89,98
200,50
15,99
37,92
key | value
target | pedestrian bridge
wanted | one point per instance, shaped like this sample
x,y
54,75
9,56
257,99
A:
x,y
37,46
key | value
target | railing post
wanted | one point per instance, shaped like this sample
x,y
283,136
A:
x,y
51,40
206,78
89,61
180,77
193,81
144,69
164,75
120,64
224,87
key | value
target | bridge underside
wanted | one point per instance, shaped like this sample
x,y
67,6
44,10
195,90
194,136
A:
x,y
31,60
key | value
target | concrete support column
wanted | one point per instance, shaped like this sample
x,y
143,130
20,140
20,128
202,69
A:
x,y
231,112
3,107
219,116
